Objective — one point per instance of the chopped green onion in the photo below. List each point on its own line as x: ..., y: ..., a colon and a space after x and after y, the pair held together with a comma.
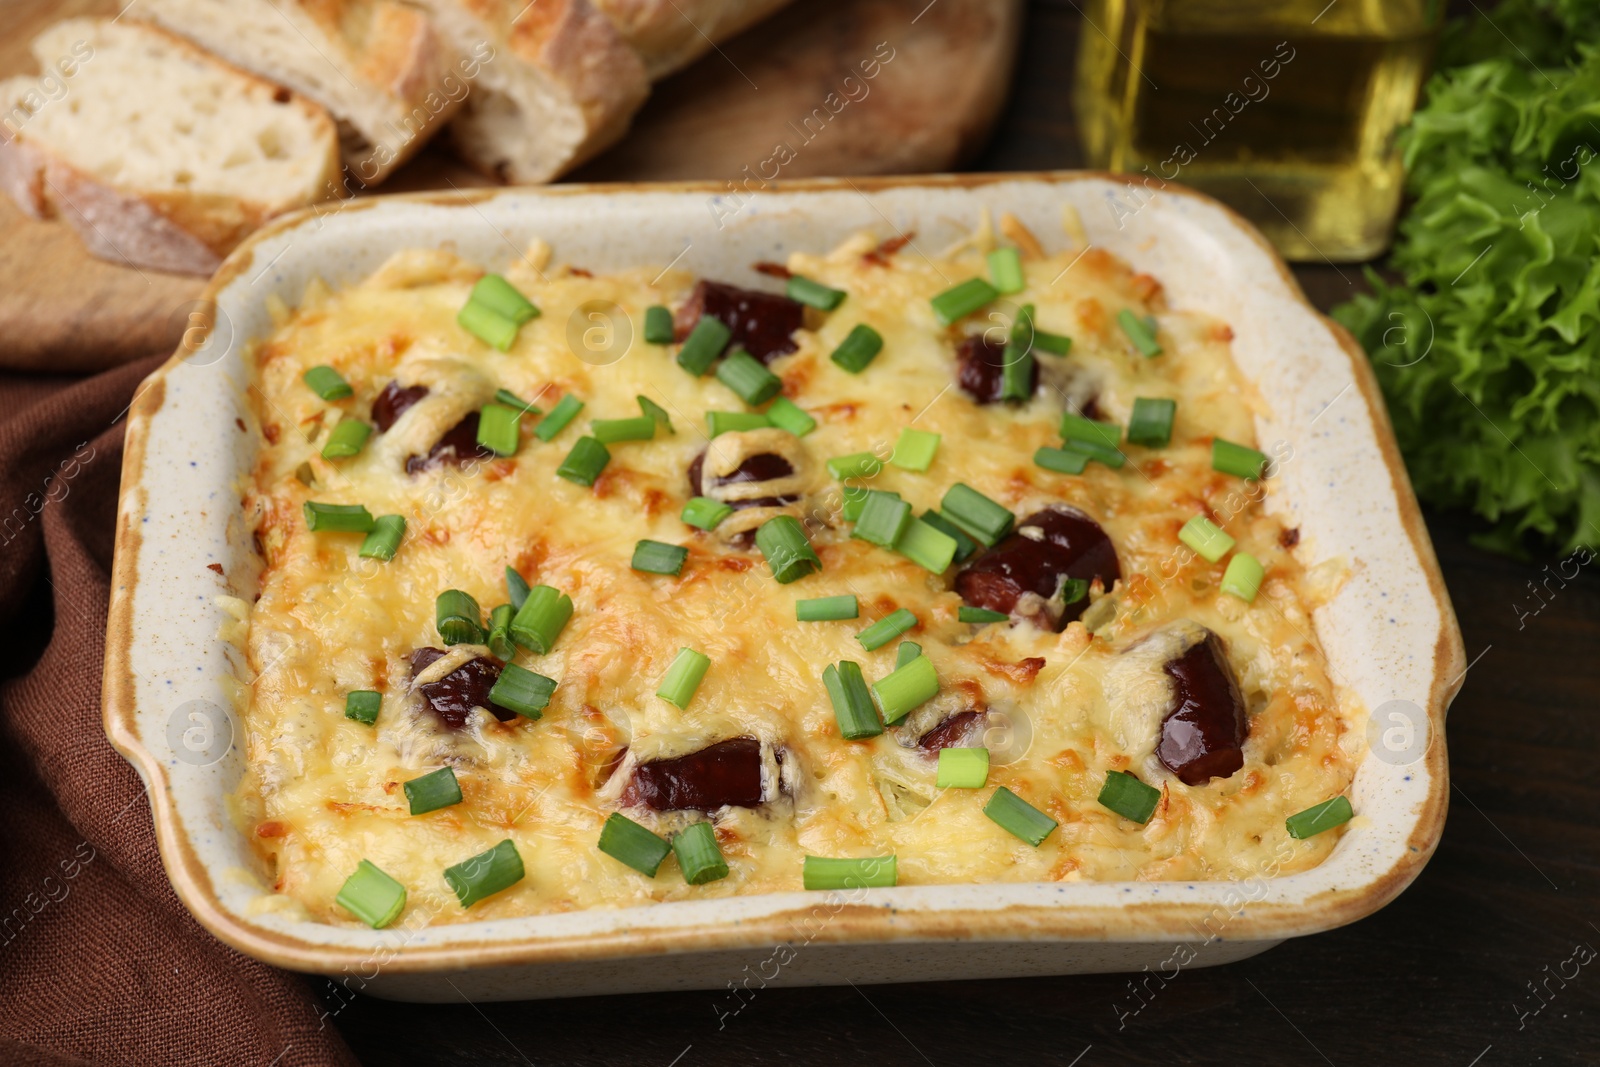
x: 585, y: 462
x: 384, y: 539
x: 1022, y: 330
x: 705, y: 513
x: 855, y: 498
x: 822, y: 872
x: 683, y: 677
x: 1325, y: 816
x: 1005, y: 270
x: 1110, y: 456
x: 703, y: 345
x: 908, y: 651
x: 721, y: 422
x: 565, y: 411
x: 1243, y: 576
x: 963, y: 768
x: 1072, y: 590
x: 786, y: 415
x: 657, y: 412
x: 1206, y: 538
x: 372, y: 896
x: 1230, y: 458
x: 657, y: 557
x: 980, y: 615
x: 886, y: 629
x: 806, y: 291
x: 929, y: 548
x: 1141, y: 331
x: 539, y: 621
x: 500, y: 428
x: 361, y: 705
x: 637, y: 428
x: 748, y: 376
x: 1150, y: 424
x: 327, y: 383
x: 1016, y: 816
x: 658, y: 329
x: 625, y: 840
x: 1076, y: 428
x: 976, y: 513
x: 1061, y: 460
x: 1129, y: 797
x: 905, y: 689
x: 1026, y: 335
x: 347, y: 439
x: 512, y: 400
x: 915, y: 449
x: 827, y: 608
x: 855, y: 465
x: 859, y: 348
x: 965, y: 546
x: 487, y: 325
x: 485, y: 874
x: 1053, y: 343
x: 500, y: 296
x: 782, y: 540
x: 458, y: 617
x: 699, y: 857
x: 852, y: 701
x: 499, y: 639
x: 336, y: 518
x: 883, y: 519
x: 434, y: 790
x: 516, y: 588
x: 523, y: 691
x: 1016, y: 373
x: 959, y: 301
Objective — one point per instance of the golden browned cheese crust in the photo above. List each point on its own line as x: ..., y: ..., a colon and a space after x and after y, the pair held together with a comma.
x: 323, y: 792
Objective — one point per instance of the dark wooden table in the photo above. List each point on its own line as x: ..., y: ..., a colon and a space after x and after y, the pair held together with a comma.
x: 1445, y: 975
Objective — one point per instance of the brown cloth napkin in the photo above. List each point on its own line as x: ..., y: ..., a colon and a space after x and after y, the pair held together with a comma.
x: 99, y: 962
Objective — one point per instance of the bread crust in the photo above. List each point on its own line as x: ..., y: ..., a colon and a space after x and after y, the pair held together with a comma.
x: 404, y: 52
x: 671, y: 34
x: 161, y: 233
x: 22, y: 177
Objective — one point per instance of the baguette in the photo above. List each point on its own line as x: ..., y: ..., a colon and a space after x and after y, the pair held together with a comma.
x: 380, y: 68
x: 156, y: 153
x: 558, y: 84
x: 671, y: 34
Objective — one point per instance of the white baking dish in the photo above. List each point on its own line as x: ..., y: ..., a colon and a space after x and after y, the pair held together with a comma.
x: 1390, y: 633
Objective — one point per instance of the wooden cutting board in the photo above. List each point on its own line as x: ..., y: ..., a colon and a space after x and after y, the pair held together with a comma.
x: 771, y: 102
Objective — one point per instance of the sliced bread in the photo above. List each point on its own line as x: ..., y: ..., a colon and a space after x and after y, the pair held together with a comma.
x: 560, y: 84
x: 671, y: 34
x: 156, y: 153
x: 379, y: 67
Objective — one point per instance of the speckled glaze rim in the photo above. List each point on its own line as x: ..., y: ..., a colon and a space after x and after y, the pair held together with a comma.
x: 1294, y: 905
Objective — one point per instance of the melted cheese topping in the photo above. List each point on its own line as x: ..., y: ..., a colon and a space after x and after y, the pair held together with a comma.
x: 323, y: 792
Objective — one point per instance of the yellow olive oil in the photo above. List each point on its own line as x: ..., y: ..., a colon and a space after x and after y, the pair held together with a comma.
x: 1287, y: 111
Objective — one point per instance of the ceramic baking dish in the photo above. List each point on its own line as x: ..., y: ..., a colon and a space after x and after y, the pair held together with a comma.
x: 172, y: 679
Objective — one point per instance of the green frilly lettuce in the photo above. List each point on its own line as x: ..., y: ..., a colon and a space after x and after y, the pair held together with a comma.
x: 1488, y: 349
